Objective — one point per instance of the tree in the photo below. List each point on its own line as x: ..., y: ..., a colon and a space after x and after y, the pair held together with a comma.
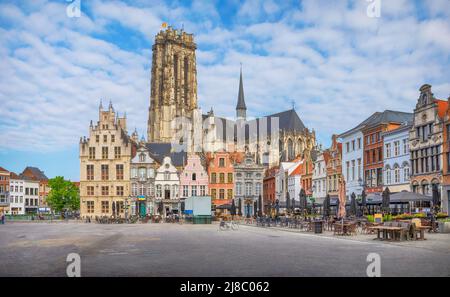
x: 63, y: 195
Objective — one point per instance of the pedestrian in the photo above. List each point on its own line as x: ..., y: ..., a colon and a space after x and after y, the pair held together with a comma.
x: 3, y: 218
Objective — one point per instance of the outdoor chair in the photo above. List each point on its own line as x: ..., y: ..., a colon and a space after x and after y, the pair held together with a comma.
x: 338, y: 229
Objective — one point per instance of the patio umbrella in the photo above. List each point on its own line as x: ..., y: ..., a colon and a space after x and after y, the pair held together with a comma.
x: 436, y: 199
x: 342, y: 198
x: 260, y: 209
x: 160, y: 207
x: 386, y: 200
x: 337, y: 207
x: 353, y: 205
x: 326, y: 206
x: 293, y: 204
x: 288, y: 201
x: 233, y: 208
x: 240, y: 207
x: 114, y: 209
x: 363, y: 202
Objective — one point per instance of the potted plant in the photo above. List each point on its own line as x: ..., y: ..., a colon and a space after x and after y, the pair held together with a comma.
x: 444, y: 225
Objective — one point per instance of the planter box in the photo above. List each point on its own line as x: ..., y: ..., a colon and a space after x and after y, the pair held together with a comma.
x: 444, y: 227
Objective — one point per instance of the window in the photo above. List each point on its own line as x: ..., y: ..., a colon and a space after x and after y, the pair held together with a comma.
x: 89, y: 172
x: 406, y: 173
x: 202, y: 190
x: 258, y: 189
x: 353, y: 145
x: 97, y: 138
x: 230, y: 178
x: 105, y: 206
x: 213, y: 193
x: 396, y: 148
x: 388, y: 150
x: 143, y: 173
x: 90, y: 206
x: 90, y: 190
x: 117, y: 152
x: 150, y: 173
x: 185, y: 191
x: 105, y: 172
x: 221, y: 162
x: 359, y: 143
x: 167, y: 175
x: 248, y: 189
x: 105, y: 138
x: 238, y: 189
x: 221, y: 178
x: 194, y: 190
x: 142, y: 190
x: 119, y: 190
x: 194, y: 176
x: 158, y: 191
x: 134, y: 189
x: 230, y: 193
x: 353, y: 169
x: 119, y: 171
x: 221, y: 194
x: 92, y: 153
x: 213, y: 178
x: 348, y: 170
x: 405, y: 146
x: 105, y: 152
x: 151, y: 190
x: 359, y: 168
x: 105, y: 190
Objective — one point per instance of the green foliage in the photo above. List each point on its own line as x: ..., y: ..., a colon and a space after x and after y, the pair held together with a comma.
x: 441, y: 215
x: 63, y: 195
x: 387, y: 218
x: 370, y: 218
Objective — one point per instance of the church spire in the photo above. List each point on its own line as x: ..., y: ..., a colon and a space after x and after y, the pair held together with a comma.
x: 241, y: 109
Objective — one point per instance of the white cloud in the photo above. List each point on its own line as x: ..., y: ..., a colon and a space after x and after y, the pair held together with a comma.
x: 337, y: 64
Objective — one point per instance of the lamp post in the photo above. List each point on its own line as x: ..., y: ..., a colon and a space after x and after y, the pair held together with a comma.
x: 126, y: 207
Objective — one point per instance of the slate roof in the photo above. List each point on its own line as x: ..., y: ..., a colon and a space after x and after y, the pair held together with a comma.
x: 287, y: 121
x: 387, y: 116
x: 36, y: 173
x: 161, y: 150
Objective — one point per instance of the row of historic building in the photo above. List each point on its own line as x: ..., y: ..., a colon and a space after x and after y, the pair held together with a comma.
x: 402, y: 151
x: 24, y: 193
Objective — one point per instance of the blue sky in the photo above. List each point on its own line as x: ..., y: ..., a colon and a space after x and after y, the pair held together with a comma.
x: 337, y: 64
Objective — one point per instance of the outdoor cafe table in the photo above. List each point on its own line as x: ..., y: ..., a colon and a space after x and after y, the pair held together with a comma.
x: 386, y: 230
x: 421, y: 230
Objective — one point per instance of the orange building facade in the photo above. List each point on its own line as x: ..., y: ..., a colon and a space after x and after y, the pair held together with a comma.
x: 220, y: 171
x: 334, y: 167
x: 269, y: 187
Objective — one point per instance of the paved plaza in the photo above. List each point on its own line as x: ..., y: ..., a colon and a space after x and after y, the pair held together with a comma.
x: 40, y: 249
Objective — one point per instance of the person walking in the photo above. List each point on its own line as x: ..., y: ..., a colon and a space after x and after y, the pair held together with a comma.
x: 3, y: 218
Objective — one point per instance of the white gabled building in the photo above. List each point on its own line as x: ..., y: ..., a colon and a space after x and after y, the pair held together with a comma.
x: 167, y: 183
x: 319, y: 178
x: 16, y: 194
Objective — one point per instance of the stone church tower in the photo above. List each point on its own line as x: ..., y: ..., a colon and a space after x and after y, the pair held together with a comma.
x: 173, y: 82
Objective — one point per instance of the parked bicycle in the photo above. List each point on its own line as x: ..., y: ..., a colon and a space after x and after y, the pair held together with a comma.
x: 231, y: 225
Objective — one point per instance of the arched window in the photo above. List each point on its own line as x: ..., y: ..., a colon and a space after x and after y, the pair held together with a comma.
x: 397, y: 175
x: 194, y: 176
x: 290, y: 149
x: 406, y: 173
x: 388, y: 176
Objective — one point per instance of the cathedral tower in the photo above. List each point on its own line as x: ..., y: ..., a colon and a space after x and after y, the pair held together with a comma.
x: 173, y: 82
